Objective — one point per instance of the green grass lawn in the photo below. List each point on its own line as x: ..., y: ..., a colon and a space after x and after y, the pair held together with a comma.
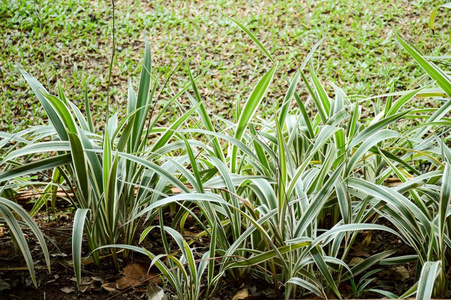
x: 70, y: 42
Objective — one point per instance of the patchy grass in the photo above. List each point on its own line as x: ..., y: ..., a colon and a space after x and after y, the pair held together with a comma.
x: 70, y: 41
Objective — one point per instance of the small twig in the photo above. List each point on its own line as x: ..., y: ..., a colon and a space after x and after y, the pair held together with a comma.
x: 110, y: 68
x: 43, y: 43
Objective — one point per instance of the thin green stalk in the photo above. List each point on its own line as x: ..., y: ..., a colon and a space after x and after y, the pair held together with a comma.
x: 110, y: 67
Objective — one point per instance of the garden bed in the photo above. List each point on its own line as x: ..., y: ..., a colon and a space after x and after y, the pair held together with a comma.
x: 131, y: 282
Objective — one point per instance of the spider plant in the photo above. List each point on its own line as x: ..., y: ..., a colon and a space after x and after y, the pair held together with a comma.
x: 112, y: 176
x: 279, y: 194
x: 426, y: 224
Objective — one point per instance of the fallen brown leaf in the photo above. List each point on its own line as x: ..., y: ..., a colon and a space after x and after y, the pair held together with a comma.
x: 241, y: 294
x: 110, y: 286
x: 68, y: 289
x: 134, y: 275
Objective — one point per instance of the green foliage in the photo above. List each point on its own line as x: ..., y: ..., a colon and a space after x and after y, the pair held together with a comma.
x: 289, y: 198
x: 111, y: 176
x: 9, y: 213
x: 282, y: 198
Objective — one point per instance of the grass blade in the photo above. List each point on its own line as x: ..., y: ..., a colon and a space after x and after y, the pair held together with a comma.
x: 324, y: 269
x: 432, y: 69
x: 162, y: 141
x: 262, y: 257
x: 321, y: 92
x: 250, y: 107
x: 142, y: 99
x: 19, y: 236
x: 31, y: 224
x: 429, y: 272
x: 39, y: 91
x: 205, y: 118
x: 80, y: 166
x: 35, y: 167
x: 286, y: 100
x: 252, y: 36
x: 77, y: 239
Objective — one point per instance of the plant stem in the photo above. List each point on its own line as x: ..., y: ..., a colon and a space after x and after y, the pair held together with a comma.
x: 110, y: 67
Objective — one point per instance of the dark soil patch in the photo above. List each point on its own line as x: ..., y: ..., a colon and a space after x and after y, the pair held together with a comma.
x: 16, y: 283
x: 60, y: 283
